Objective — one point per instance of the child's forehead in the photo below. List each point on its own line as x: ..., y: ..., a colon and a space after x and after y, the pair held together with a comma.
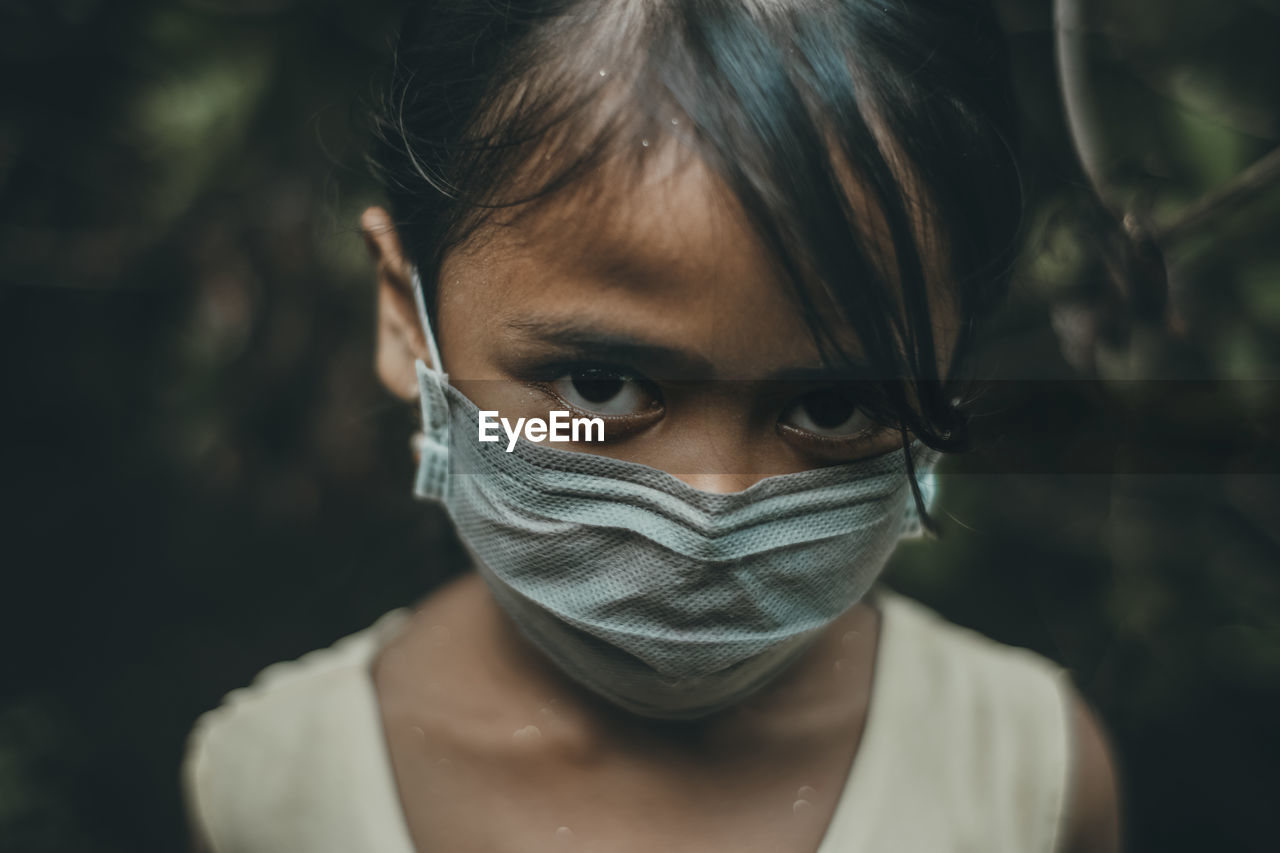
x: 662, y: 215
x: 672, y: 215
x: 644, y: 232
x: 667, y: 256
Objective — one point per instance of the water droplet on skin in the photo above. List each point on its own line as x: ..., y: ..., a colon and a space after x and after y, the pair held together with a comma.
x: 841, y: 666
x: 644, y: 142
x: 801, y: 807
x: 418, y: 732
x: 850, y: 639
x: 528, y: 733
x: 806, y: 793
x: 439, y: 634
x: 603, y: 72
x: 675, y: 121
x: 545, y: 711
x: 564, y: 833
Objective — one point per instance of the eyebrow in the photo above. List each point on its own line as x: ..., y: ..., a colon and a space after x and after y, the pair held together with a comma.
x: 591, y: 341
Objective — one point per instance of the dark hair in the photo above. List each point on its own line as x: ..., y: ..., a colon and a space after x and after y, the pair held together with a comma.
x: 785, y: 100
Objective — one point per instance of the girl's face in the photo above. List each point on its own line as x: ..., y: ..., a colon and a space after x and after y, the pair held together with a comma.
x: 656, y: 309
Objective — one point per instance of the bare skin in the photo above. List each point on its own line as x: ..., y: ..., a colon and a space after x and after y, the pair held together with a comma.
x: 473, y: 775
x: 460, y: 689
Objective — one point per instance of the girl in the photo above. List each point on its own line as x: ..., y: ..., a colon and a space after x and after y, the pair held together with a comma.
x: 757, y: 240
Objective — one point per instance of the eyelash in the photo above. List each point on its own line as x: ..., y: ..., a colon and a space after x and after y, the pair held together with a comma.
x: 833, y: 442
x: 542, y: 377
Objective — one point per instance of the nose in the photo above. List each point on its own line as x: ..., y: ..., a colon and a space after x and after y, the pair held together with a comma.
x: 713, y: 441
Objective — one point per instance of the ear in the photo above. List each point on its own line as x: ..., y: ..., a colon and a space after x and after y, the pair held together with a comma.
x: 400, y: 339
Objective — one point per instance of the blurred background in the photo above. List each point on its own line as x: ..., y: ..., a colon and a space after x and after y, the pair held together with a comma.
x: 200, y: 474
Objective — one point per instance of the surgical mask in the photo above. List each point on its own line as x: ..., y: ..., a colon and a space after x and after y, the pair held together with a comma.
x: 668, y: 601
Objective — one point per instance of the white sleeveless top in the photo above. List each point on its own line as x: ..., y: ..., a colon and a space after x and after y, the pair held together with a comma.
x: 967, y: 747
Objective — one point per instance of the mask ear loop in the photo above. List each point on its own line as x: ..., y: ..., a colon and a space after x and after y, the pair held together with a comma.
x: 431, y: 443
x: 432, y: 350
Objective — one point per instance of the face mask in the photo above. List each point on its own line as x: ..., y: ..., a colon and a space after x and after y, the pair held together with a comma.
x: 666, y: 600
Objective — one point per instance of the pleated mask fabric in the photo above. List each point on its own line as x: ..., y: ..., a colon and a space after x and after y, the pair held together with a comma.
x: 668, y: 601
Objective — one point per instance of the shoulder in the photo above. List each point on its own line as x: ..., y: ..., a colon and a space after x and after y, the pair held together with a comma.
x: 994, y: 727
x: 990, y: 677
x: 1093, y: 824
x: 259, y: 767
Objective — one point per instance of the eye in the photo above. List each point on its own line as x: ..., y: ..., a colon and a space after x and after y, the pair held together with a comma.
x: 830, y: 413
x: 605, y: 391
